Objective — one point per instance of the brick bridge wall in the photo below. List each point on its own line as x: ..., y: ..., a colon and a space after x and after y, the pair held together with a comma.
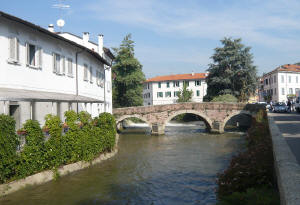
x: 215, y: 115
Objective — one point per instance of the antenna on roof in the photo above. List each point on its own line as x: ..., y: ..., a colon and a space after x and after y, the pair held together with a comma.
x: 60, y: 22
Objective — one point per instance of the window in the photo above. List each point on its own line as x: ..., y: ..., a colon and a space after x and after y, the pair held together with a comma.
x: 148, y: 85
x: 175, y: 83
x: 91, y: 74
x: 159, y: 84
x: 168, y: 84
x: 176, y: 93
x: 275, y: 91
x: 13, y: 50
x: 168, y: 94
x: 282, y: 91
x: 291, y: 91
x: 290, y: 79
x: 100, y: 78
x: 274, y: 78
x: 282, y: 79
x: 266, y: 82
x: 198, y: 93
x: 34, y: 56
x: 197, y: 82
x: 56, y: 63
x: 70, y: 67
x: 159, y: 94
x: 187, y: 83
x: 85, y: 72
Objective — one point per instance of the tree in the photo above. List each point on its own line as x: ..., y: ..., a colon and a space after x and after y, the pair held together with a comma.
x: 128, y: 76
x: 232, y: 71
x: 185, y: 95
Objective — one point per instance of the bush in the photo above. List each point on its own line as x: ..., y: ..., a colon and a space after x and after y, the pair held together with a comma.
x: 84, y: 142
x: 8, y: 145
x: 32, y: 158
x: 253, y: 168
x: 259, y: 196
x: 225, y: 98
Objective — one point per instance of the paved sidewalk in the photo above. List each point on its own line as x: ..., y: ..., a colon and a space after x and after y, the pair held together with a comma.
x: 289, y: 126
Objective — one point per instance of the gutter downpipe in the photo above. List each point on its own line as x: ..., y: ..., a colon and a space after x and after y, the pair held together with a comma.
x: 76, y: 71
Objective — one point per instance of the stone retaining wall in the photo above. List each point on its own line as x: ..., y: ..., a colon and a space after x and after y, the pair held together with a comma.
x: 48, y: 175
x: 286, y: 167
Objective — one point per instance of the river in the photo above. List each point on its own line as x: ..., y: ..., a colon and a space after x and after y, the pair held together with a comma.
x: 178, y: 168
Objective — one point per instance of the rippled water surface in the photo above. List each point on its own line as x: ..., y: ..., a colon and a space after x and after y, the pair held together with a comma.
x: 177, y: 168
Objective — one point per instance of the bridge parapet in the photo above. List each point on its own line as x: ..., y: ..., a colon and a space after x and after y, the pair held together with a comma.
x: 215, y: 115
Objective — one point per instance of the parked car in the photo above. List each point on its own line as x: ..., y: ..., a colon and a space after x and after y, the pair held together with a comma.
x: 280, y: 107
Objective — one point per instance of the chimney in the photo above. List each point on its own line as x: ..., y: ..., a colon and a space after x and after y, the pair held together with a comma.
x: 51, y: 28
x: 100, y: 44
x: 85, y: 38
x: 193, y: 73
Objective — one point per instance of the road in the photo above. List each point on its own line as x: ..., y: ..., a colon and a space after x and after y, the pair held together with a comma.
x: 289, y: 126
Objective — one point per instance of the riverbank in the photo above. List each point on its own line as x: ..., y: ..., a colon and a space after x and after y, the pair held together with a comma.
x: 250, y: 178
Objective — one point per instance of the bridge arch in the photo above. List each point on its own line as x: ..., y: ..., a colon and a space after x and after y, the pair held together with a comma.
x: 123, y: 117
x: 233, y: 114
x: 173, y: 114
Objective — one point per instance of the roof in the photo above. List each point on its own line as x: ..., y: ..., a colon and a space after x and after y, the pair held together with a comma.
x: 188, y: 76
x: 106, y: 50
x: 54, y: 35
x: 11, y: 94
x: 285, y: 68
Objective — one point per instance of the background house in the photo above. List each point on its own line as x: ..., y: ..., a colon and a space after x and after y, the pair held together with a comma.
x: 164, y: 89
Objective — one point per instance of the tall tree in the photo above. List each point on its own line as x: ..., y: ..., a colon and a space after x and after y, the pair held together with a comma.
x: 232, y: 71
x: 128, y: 76
x: 185, y: 95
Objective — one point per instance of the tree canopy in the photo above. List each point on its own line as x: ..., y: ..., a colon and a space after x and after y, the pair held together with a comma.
x: 232, y: 71
x: 185, y: 95
x: 128, y: 76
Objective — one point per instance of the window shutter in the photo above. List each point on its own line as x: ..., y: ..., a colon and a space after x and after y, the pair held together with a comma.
x: 91, y: 74
x: 54, y: 62
x: 12, y: 48
x: 17, y: 50
x: 63, y: 65
x: 40, y: 58
x: 27, y: 54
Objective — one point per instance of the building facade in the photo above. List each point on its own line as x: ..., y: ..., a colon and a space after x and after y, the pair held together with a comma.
x: 45, y: 72
x: 279, y: 83
x: 164, y: 89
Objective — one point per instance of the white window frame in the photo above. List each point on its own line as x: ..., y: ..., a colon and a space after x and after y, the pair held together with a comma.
x: 168, y: 92
x: 56, y: 63
x: 38, y: 56
x: 197, y: 82
x: 160, y: 96
x: 13, y: 52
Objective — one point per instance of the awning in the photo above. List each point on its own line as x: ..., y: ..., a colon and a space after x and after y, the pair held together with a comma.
x: 9, y: 94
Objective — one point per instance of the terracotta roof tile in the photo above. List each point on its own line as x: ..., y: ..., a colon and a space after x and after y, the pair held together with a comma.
x: 290, y: 68
x: 189, y: 76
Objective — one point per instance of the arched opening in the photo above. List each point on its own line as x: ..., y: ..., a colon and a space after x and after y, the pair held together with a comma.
x: 133, y: 124
x: 187, y: 121
x: 238, y: 122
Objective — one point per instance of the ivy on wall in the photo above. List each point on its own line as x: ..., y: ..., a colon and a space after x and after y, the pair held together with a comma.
x: 79, y: 138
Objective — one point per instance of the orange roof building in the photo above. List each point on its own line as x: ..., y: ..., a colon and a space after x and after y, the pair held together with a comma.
x: 164, y: 89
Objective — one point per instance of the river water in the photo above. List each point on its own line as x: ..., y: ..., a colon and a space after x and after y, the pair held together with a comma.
x: 177, y: 168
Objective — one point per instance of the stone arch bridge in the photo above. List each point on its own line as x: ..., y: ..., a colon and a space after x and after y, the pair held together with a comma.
x: 215, y: 115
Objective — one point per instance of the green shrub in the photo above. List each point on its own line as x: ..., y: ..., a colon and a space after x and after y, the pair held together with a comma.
x: 225, y: 98
x: 84, y: 142
x: 253, y: 168
x: 32, y: 158
x: 8, y: 145
x: 257, y: 196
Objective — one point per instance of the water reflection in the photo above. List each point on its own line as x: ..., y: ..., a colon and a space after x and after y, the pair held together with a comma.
x: 177, y: 168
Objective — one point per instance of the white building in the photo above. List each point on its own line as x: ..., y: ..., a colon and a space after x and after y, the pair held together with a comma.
x: 45, y: 72
x: 164, y: 89
x: 280, y: 82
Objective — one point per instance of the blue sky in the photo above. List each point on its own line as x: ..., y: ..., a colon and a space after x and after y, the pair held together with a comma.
x: 178, y: 36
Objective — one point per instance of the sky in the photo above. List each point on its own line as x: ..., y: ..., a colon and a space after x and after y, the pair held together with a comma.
x: 175, y: 36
